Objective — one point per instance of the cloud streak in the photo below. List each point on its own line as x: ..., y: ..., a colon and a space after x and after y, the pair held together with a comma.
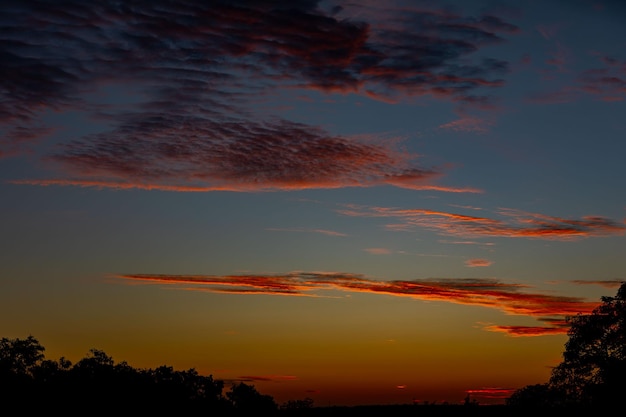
x: 477, y: 262
x: 192, y: 71
x: 307, y: 230
x: 513, y: 223
x: 473, y: 292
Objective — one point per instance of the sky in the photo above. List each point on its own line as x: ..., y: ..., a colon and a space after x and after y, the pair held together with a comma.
x: 357, y: 202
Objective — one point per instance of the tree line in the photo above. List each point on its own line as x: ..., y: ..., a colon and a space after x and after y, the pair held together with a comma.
x: 96, y: 384
x: 591, y: 375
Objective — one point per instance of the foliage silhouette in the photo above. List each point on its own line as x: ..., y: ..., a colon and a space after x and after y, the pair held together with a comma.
x: 96, y: 384
x: 246, y: 399
x: 304, y: 404
x: 593, y: 370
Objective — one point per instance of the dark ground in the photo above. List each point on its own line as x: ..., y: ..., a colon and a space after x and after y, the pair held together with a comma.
x: 441, y: 411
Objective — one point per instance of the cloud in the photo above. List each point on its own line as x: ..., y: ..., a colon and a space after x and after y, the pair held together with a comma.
x: 466, y: 242
x: 478, y: 262
x: 279, y: 155
x: 473, y: 292
x: 236, y: 156
x: 192, y: 71
x: 492, y: 393
x: 527, y: 331
x: 307, y: 230
x: 513, y: 223
x: 468, y: 125
x: 606, y: 82
x: 378, y: 251
x: 614, y: 283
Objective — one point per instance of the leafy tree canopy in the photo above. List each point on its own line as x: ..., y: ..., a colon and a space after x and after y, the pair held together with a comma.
x: 593, y: 370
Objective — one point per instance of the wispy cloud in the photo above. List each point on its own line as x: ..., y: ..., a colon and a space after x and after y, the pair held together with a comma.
x: 614, y: 283
x: 468, y: 125
x: 306, y: 230
x: 193, y: 70
x: 473, y: 292
x: 478, y: 262
x: 378, y: 251
x: 605, y: 81
x: 491, y: 393
x: 466, y: 242
x: 512, y: 223
x: 608, y: 82
x: 528, y: 331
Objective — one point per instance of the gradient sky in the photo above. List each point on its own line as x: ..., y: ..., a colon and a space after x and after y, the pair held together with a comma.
x: 359, y: 202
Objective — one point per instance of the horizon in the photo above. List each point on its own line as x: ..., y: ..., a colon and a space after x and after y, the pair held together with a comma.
x: 349, y: 202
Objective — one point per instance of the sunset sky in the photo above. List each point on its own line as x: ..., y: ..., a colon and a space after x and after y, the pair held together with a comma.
x: 358, y: 202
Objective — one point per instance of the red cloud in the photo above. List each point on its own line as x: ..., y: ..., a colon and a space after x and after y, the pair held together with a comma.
x: 476, y: 292
x: 254, y: 156
x: 497, y: 393
x: 514, y: 223
x: 526, y: 331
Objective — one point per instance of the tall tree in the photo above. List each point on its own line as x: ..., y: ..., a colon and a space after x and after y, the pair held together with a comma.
x: 593, y: 370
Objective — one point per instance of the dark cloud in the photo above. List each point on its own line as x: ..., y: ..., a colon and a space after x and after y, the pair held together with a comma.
x: 196, y: 67
x: 615, y: 283
x: 606, y: 82
x: 234, y: 155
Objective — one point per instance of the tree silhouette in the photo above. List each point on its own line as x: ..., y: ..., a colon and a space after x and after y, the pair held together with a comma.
x: 18, y: 360
x: 298, y: 405
x: 593, y: 370
x: 246, y: 399
x: 20, y: 356
x: 98, y: 385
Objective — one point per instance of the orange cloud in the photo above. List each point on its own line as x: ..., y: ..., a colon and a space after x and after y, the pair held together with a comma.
x: 478, y: 262
x: 514, y: 223
x: 476, y: 292
x: 378, y: 251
